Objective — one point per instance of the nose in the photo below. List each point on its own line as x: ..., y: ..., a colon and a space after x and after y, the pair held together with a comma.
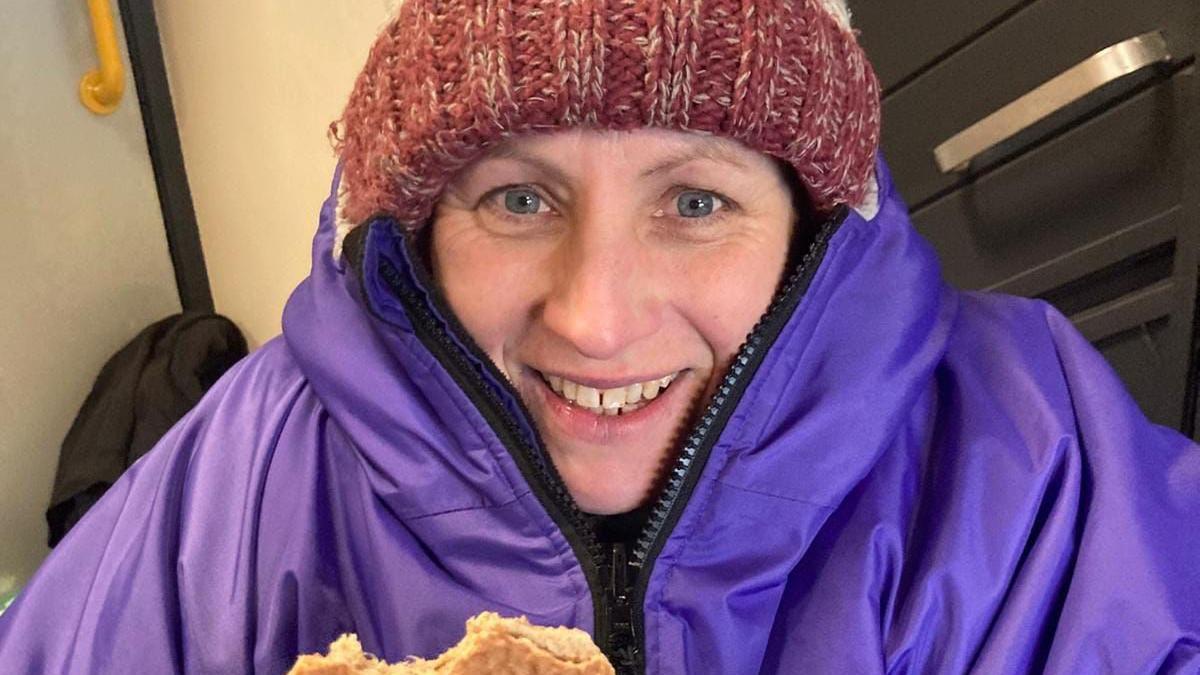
x: 603, y: 298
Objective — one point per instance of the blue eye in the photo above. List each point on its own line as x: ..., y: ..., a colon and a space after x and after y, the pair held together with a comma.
x: 522, y: 201
x: 696, y: 203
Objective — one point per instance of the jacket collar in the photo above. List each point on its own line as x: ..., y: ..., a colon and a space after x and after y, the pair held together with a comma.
x: 424, y: 446
x: 845, y: 373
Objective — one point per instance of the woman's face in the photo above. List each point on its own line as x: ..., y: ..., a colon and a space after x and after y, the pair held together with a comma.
x: 611, y: 276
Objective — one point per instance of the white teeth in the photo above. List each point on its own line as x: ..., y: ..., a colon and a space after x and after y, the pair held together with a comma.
x: 613, y: 398
x: 619, y: 400
x: 587, y: 397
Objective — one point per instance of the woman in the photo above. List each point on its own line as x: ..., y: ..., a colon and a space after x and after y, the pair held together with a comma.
x: 519, y: 379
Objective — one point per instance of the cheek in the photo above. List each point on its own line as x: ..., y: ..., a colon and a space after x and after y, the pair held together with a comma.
x: 490, y: 289
x: 728, y: 293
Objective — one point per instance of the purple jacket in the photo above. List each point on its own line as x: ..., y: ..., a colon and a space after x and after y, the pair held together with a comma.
x: 896, y: 476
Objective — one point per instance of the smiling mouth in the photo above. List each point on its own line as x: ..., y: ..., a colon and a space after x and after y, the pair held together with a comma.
x: 609, y: 402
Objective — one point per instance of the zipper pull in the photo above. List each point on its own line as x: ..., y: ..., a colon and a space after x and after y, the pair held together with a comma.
x: 624, y: 645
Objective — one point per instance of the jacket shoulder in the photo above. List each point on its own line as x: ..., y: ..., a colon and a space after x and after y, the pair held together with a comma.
x: 184, y: 521
x: 261, y: 376
x: 1028, y: 347
x: 1106, y: 498
x: 1005, y: 351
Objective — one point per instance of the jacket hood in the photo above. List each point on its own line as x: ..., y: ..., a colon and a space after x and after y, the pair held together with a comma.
x: 858, y: 347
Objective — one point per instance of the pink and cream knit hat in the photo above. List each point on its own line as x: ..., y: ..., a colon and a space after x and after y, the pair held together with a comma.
x: 448, y: 79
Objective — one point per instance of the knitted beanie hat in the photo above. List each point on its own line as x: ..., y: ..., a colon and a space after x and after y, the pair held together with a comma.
x: 448, y: 79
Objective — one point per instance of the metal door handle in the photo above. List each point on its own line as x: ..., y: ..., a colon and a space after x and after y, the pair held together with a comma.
x: 1105, y: 67
x: 101, y: 89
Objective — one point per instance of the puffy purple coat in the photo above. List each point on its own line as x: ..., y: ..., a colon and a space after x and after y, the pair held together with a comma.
x: 895, y: 476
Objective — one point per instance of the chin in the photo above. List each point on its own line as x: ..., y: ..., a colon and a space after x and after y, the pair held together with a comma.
x: 605, y: 500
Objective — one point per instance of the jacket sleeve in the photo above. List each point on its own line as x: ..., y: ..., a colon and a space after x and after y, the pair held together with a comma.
x: 158, y: 576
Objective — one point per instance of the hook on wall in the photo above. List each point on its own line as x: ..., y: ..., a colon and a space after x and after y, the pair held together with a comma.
x: 101, y: 90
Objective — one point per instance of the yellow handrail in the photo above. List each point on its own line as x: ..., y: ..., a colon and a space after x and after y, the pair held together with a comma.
x: 101, y: 90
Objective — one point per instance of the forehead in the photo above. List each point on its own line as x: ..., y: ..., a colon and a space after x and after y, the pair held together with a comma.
x: 629, y: 149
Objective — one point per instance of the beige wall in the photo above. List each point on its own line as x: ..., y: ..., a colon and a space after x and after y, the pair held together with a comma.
x: 255, y: 86
x: 84, y: 265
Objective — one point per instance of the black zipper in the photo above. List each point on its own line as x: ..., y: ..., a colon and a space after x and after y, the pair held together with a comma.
x: 622, y: 642
x: 617, y: 578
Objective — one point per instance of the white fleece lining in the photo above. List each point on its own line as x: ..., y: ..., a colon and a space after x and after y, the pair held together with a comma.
x: 839, y: 10
x: 342, y: 226
x: 869, y: 208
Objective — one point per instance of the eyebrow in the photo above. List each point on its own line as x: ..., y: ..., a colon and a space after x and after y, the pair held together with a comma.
x: 507, y: 151
x: 711, y: 149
